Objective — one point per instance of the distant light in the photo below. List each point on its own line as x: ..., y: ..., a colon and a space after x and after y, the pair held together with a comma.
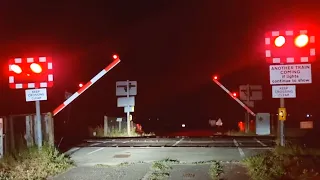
x: 80, y: 85
x: 215, y: 77
x: 15, y: 68
x: 308, y: 115
x: 183, y: 125
x: 115, y: 56
x: 234, y: 94
x: 279, y: 41
x: 36, y: 68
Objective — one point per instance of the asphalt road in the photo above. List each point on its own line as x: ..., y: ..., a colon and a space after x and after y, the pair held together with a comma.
x: 214, y: 141
x: 143, y: 151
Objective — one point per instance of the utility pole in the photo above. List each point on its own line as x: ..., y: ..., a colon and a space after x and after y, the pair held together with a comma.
x: 38, y: 121
x: 282, y: 140
x: 128, y: 112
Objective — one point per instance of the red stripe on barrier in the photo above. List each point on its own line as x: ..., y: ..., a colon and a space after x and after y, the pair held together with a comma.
x: 58, y: 109
x: 83, y: 88
x: 112, y: 64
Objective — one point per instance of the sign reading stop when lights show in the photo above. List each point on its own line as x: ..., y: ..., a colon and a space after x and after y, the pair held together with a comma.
x: 290, y: 74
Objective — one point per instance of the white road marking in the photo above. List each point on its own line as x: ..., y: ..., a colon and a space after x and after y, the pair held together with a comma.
x: 95, y: 144
x: 72, y: 150
x: 260, y: 148
x: 125, y: 141
x: 239, y: 149
x: 178, y: 142
x: 262, y: 144
x: 95, y: 151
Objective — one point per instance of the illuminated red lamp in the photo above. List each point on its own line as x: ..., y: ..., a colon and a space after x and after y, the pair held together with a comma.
x: 234, y: 94
x: 301, y: 40
x: 15, y: 68
x: 279, y: 41
x: 80, y: 85
x: 115, y: 56
x: 215, y: 77
x: 36, y: 68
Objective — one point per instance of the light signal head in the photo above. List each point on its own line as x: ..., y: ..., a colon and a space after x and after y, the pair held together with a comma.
x: 36, y: 68
x: 290, y: 46
x: 115, y: 56
x: 279, y: 41
x: 15, y: 68
x: 301, y: 40
x: 80, y: 85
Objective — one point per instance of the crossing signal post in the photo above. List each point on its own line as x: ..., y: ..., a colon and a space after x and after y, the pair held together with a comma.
x: 288, y: 47
x: 34, y: 74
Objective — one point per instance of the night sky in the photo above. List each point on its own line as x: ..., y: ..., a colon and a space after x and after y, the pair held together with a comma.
x: 172, y: 48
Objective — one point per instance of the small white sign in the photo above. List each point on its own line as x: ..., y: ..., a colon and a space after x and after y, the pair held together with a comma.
x: 288, y: 91
x: 126, y: 101
x: 129, y: 109
x: 36, y: 94
x: 119, y: 120
x: 219, y: 122
x: 290, y: 74
x: 122, y: 88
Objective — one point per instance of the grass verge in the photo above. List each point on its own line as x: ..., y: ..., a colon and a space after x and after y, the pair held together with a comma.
x: 34, y: 164
x: 161, y: 169
x: 215, y: 170
x: 290, y: 162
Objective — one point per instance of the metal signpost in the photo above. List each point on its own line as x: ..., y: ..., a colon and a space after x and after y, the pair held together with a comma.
x: 129, y: 90
x: 37, y: 95
x: 292, y: 51
x: 1, y: 138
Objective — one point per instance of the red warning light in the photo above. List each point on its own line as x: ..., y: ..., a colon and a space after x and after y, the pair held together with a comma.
x: 234, y: 94
x: 301, y: 40
x: 279, y: 41
x: 215, y: 77
x: 115, y: 56
x: 80, y: 85
x: 36, y: 68
x: 15, y: 68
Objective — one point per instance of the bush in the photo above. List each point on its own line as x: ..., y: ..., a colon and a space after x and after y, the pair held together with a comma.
x: 291, y: 162
x: 265, y: 166
x: 34, y: 164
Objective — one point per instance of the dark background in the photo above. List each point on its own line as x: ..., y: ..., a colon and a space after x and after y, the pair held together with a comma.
x: 172, y: 48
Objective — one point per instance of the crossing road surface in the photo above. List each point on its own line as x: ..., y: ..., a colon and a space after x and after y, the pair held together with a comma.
x: 116, y: 151
x: 100, y: 159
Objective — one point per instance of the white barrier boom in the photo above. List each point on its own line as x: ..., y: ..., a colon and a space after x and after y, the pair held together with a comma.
x: 235, y: 98
x: 86, y: 86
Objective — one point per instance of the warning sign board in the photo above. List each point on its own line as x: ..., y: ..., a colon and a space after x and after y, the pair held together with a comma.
x: 286, y: 91
x: 290, y: 74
